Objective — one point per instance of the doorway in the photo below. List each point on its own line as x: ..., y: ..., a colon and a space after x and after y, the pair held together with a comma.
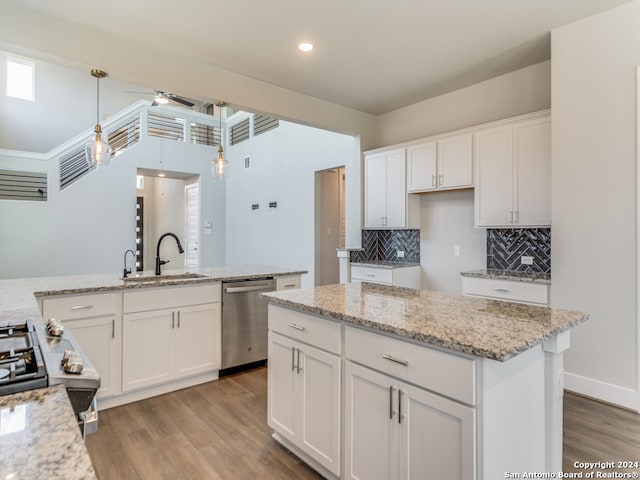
x: 329, y: 224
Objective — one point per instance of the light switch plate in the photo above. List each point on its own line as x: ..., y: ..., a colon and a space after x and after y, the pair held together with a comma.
x: 526, y: 260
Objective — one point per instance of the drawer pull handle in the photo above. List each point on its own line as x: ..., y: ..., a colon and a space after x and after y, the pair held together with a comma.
x: 297, y: 327
x: 370, y: 275
x: 395, y: 360
x: 502, y: 290
x: 291, y: 285
x: 81, y: 307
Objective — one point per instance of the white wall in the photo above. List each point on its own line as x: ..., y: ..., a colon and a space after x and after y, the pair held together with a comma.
x: 87, y: 227
x: 594, y: 192
x: 64, y: 106
x: 446, y: 218
x: 523, y: 91
x: 283, y: 166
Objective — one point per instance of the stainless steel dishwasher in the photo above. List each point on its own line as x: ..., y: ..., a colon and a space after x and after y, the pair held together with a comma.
x: 244, y: 321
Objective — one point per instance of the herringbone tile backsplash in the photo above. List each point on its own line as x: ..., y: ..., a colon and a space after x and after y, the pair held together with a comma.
x: 506, y: 246
x: 382, y: 245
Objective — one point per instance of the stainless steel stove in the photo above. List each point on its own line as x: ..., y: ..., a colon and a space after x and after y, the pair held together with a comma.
x: 21, y: 363
x: 31, y: 357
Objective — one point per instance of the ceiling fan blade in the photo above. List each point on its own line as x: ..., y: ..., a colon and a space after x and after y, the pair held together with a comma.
x: 178, y: 99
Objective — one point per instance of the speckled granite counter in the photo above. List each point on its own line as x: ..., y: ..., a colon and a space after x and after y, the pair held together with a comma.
x: 17, y: 299
x: 40, y: 438
x: 385, y: 264
x: 544, y: 278
x: 485, y: 328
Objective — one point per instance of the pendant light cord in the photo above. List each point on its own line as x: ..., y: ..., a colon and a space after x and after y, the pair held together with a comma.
x: 97, y: 100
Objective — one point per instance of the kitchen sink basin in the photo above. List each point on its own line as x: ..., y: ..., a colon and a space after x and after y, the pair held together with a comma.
x: 163, y: 278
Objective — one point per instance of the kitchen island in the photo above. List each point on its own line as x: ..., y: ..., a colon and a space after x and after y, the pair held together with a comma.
x: 371, y: 381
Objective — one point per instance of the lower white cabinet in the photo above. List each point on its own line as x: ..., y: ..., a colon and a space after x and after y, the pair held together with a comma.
x: 304, y: 396
x: 408, y: 277
x: 507, y: 290
x: 95, y: 321
x: 168, y: 344
x: 398, y: 431
x: 290, y: 282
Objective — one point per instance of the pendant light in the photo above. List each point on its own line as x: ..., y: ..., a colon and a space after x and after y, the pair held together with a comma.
x: 98, y: 150
x: 219, y: 166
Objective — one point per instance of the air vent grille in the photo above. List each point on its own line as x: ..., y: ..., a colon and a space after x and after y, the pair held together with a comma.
x: 165, y: 126
x: 262, y: 123
x: 240, y: 132
x: 73, y: 166
x: 204, y: 134
x: 16, y: 185
x: 125, y: 135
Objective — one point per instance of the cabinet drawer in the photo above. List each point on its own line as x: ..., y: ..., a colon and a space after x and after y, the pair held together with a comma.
x: 170, y: 297
x: 316, y: 331
x: 447, y: 374
x: 288, y: 283
x: 80, y: 306
x: 371, y: 274
x: 520, y: 292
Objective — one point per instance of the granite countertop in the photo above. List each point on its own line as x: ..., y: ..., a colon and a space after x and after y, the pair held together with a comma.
x: 40, y: 437
x: 385, y: 264
x: 17, y: 296
x: 544, y: 278
x: 486, y: 328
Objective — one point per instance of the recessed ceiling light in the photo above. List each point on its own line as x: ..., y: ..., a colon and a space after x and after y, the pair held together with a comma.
x: 305, y: 46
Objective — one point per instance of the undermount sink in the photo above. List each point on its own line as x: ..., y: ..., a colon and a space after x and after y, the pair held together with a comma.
x: 163, y: 278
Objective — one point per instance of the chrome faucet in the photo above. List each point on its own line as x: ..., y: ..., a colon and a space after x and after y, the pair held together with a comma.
x: 127, y: 271
x: 162, y: 262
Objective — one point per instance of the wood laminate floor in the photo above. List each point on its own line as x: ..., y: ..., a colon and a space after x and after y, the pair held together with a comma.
x: 218, y: 430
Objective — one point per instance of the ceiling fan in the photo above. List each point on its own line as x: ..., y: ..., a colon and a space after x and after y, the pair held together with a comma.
x: 162, y: 98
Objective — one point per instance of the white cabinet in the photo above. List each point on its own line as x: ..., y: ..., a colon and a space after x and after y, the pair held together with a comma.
x: 397, y: 276
x: 508, y: 290
x: 398, y: 431
x: 304, y: 385
x: 386, y: 192
x: 180, y: 340
x: 513, y: 174
x: 290, y: 282
x: 442, y: 164
x: 95, y: 321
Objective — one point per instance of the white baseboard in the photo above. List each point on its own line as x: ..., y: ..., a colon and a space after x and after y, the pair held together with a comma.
x: 134, y: 396
x: 605, y: 392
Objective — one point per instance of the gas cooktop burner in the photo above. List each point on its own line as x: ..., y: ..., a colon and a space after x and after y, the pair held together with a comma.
x: 21, y: 364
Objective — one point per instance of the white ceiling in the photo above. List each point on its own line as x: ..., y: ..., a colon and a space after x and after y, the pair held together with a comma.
x: 370, y: 55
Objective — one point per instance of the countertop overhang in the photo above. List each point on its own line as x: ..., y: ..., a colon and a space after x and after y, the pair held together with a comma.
x: 490, y: 329
x: 494, y: 274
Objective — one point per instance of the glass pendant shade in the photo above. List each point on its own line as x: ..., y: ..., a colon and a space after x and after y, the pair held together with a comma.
x: 220, y: 167
x: 98, y: 150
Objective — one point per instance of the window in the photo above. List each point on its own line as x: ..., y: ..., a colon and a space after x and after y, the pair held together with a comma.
x: 20, y: 82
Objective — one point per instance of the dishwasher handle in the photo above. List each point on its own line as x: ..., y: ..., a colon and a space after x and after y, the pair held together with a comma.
x: 256, y: 288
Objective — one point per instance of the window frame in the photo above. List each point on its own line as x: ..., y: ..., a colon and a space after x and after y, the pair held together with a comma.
x: 24, y: 62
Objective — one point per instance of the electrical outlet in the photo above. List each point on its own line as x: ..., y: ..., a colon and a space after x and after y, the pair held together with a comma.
x: 247, y: 162
x: 456, y: 250
x: 400, y: 253
x: 526, y: 260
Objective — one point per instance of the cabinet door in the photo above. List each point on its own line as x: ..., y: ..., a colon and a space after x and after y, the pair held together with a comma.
x: 320, y: 397
x: 147, y: 348
x: 396, y: 216
x: 495, y: 176
x: 197, y: 342
x: 375, y: 190
x: 533, y: 154
x: 281, y: 405
x: 438, y: 436
x: 421, y: 167
x: 100, y: 340
x: 455, y: 162
x: 370, y: 443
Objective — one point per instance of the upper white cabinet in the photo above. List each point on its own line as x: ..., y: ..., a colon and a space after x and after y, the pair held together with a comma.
x: 385, y: 190
x: 513, y: 174
x: 442, y: 164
